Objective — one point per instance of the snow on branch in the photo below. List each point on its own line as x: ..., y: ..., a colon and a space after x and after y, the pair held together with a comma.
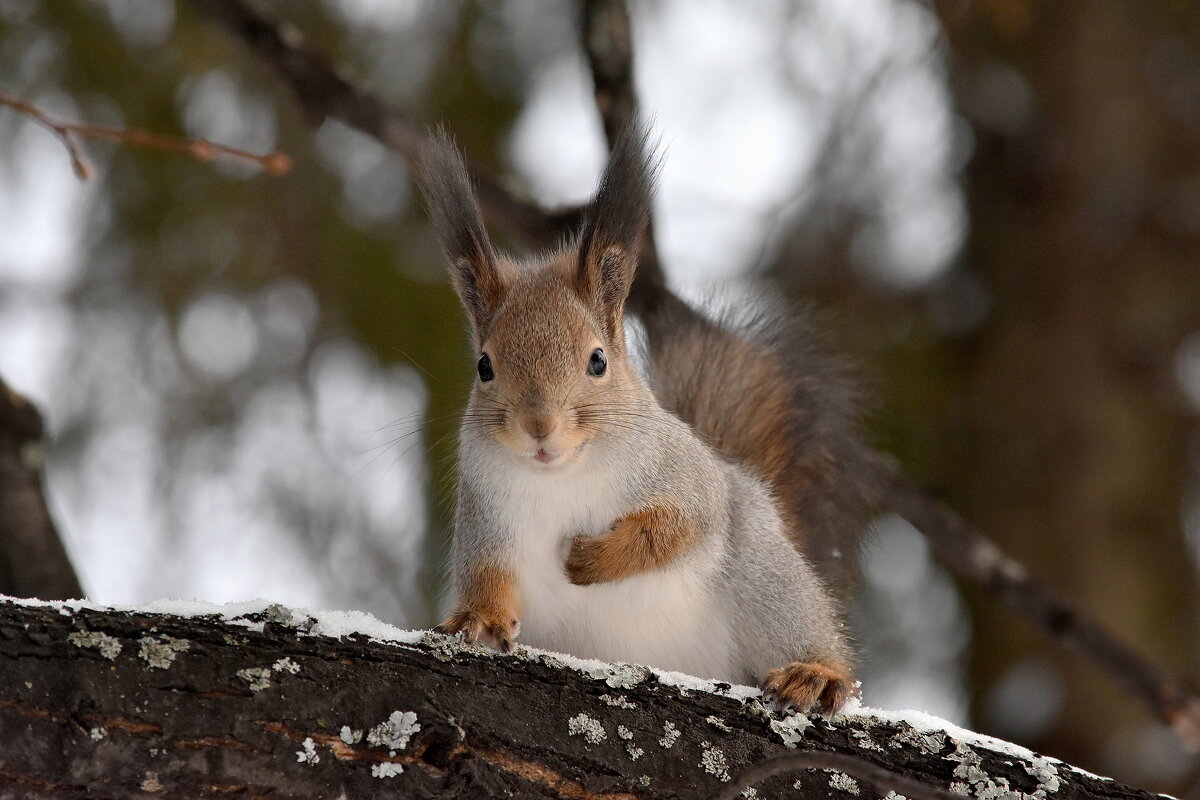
x: 187, y: 699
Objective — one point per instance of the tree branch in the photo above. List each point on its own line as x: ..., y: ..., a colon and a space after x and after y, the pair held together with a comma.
x: 199, y: 149
x: 975, y: 557
x: 264, y: 701
x: 608, y: 42
x: 33, y: 562
x: 323, y: 94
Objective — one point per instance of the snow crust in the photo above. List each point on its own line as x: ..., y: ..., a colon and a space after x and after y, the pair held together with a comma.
x: 927, y: 723
x: 346, y: 623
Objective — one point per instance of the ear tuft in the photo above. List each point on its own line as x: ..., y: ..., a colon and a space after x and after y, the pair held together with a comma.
x: 452, y: 207
x: 614, y: 224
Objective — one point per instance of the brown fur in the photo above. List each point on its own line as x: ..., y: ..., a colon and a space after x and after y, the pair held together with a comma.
x: 479, y: 277
x: 606, y: 277
x: 641, y: 542
x: 765, y: 393
x: 539, y: 343
x: 804, y: 685
x: 487, y: 609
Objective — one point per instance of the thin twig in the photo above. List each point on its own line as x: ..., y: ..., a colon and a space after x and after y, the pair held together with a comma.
x: 201, y: 149
x: 878, y: 777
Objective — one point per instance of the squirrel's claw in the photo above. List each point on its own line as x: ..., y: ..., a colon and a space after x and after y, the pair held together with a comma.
x: 806, y: 685
x: 475, y: 628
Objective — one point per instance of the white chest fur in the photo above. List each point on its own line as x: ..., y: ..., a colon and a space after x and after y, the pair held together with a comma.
x: 664, y: 618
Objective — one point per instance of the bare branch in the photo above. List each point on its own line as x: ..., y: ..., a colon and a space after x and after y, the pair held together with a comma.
x: 323, y: 94
x: 977, y: 558
x: 608, y: 41
x: 200, y: 149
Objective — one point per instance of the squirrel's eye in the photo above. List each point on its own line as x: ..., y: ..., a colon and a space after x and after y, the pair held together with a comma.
x: 597, y: 364
x: 485, y: 368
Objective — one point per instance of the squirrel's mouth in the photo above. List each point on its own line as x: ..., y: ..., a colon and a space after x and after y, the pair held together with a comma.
x: 550, y: 453
x: 554, y: 457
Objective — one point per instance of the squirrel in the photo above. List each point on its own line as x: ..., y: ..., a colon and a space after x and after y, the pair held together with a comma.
x: 676, y: 520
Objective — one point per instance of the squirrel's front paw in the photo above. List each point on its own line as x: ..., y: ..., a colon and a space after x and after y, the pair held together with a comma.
x: 585, y: 563
x: 804, y: 685
x: 475, y: 627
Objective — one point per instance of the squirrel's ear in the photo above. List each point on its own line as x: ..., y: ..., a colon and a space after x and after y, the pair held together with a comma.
x: 477, y: 277
x: 613, y: 227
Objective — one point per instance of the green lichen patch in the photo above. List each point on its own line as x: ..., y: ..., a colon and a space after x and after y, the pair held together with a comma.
x: 843, y: 782
x: 714, y: 763
x: 109, y: 646
x: 617, y: 701
x: 931, y: 743
x: 621, y: 676
x: 864, y: 740
x: 443, y: 648
x: 791, y: 728
x: 718, y: 723
x: 387, y: 769
x: 590, y: 729
x: 259, y: 678
x: 394, y: 732
x: 973, y: 781
x: 159, y: 653
x: 308, y: 755
x: 669, y: 737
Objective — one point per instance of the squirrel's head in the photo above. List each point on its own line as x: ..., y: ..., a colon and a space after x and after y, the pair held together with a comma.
x: 552, y: 366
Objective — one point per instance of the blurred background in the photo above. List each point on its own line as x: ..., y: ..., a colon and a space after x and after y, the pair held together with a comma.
x: 252, y: 381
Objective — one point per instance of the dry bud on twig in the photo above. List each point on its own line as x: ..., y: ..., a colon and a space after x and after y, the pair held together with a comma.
x: 201, y: 149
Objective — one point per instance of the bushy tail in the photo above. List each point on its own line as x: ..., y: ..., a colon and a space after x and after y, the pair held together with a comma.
x: 764, y: 392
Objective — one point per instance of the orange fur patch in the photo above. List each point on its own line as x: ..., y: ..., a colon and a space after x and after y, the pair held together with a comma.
x: 487, y: 609
x: 641, y: 542
x: 810, y: 684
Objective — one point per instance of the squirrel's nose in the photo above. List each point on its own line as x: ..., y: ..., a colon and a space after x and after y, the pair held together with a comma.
x: 539, y: 424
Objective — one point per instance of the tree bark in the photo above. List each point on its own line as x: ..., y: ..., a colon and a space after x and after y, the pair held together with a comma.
x: 108, y: 704
x: 33, y: 562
